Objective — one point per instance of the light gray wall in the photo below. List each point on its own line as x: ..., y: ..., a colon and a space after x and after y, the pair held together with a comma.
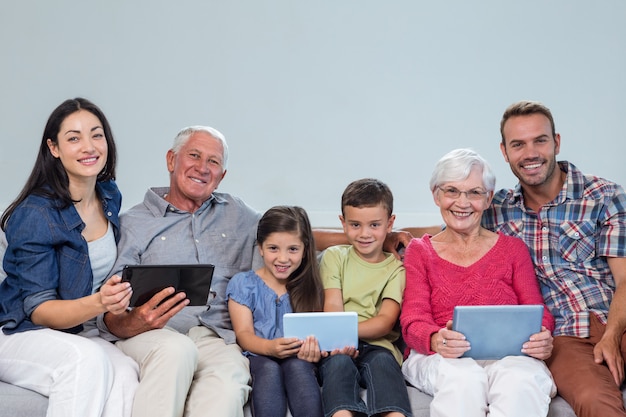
x: 314, y: 94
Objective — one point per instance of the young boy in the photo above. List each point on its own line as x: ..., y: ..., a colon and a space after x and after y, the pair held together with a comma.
x: 361, y: 277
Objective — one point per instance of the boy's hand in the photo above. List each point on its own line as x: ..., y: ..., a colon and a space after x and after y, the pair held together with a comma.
x: 348, y: 350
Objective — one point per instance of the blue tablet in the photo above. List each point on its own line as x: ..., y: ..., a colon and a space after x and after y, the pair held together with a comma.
x: 333, y: 330
x: 497, y: 331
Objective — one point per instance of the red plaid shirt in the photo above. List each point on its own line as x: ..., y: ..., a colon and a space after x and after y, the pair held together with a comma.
x: 569, y: 240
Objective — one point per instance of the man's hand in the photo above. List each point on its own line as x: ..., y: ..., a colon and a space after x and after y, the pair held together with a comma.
x: 539, y: 345
x: 607, y: 350
x: 396, y: 240
x: 148, y: 316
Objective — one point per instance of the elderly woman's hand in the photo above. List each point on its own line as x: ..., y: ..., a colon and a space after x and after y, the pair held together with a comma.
x: 448, y: 343
x: 540, y: 345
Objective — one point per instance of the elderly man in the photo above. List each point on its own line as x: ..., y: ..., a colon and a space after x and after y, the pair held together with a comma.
x: 189, y: 361
x: 188, y: 358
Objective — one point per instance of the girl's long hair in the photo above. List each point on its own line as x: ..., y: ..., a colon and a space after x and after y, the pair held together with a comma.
x: 304, y: 285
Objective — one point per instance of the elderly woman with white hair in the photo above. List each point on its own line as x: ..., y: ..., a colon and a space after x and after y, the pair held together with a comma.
x: 466, y: 264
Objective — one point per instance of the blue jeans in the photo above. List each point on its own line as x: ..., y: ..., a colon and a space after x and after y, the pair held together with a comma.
x: 278, y: 382
x: 374, y: 369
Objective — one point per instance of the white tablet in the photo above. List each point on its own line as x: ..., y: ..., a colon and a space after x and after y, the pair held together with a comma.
x: 497, y: 331
x: 333, y: 330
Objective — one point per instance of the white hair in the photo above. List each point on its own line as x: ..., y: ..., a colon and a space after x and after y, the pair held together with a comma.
x: 457, y: 165
x: 183, y: 136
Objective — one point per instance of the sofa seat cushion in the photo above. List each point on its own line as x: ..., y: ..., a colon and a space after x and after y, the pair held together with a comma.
x: 20, y: 402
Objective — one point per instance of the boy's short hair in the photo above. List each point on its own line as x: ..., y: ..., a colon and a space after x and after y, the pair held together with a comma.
x: 367, y: 192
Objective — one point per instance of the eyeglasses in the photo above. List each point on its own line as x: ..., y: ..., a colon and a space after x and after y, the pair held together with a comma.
x: 475, y: 194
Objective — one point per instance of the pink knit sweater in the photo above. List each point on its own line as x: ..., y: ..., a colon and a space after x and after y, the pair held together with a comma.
x: 434, y: 286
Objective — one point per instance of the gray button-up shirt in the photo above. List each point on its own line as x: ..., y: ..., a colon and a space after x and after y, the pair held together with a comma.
x: 221, y: 232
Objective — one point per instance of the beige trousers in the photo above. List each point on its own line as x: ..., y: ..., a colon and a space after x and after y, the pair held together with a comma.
x: 193, y: 375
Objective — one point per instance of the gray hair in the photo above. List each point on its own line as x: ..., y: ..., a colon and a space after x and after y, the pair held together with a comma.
x: 456, y: 165
x: 183, y: 136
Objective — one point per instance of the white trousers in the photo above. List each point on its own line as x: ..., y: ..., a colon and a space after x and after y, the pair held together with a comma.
x: 81, y: 376
x: 195, y: 375
x: 514, y: 386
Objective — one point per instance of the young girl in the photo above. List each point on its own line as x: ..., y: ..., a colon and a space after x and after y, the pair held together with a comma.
x: 283, y: 369
x: 62, y: 231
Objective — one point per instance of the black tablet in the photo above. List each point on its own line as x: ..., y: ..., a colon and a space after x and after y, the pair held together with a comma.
x: 147, y: 280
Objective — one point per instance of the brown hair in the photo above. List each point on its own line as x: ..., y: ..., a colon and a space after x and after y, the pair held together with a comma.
x: 304, y: 285
x: 525, y: 108
x: 367, y: 192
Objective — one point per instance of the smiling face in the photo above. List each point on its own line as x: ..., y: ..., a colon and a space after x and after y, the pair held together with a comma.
x: 366, y: 229
x: 81, y: 146
x: 462, y: 214
x: 282, y: 254
x: 530, y: 149
x: 195, y: 171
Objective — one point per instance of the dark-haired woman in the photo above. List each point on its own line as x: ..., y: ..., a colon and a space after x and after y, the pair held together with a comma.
x: 62, y: 231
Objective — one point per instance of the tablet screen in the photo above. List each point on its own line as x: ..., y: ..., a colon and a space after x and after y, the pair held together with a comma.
x: 333, y: 330
x: 497, y: 331
x: 147, y: 280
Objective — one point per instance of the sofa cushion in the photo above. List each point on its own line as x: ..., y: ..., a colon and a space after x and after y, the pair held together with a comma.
x: 20, y: 402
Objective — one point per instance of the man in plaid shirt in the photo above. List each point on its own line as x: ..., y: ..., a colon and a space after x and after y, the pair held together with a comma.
x: 575, y: 228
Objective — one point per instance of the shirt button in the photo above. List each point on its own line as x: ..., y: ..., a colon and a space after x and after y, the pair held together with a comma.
x: 109, y: 213
x: 197, y: 241
x: 163, y: 238
x: 577, y: 234
x: 545, y: 229
x: 545, y: 258
x: 223, y: 234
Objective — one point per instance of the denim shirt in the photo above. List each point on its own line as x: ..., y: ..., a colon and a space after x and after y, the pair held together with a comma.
x: 267, y: 308
x: 47, y: 257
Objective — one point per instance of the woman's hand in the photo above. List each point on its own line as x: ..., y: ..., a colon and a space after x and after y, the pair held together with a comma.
x: 448, y: 343
x: 115, y: 295
x: 540, y: 345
